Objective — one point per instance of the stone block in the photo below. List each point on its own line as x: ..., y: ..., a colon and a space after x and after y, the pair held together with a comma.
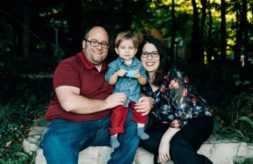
x: 219, y: 151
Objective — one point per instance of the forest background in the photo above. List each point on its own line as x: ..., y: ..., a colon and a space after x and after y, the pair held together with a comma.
x: 211, y: 40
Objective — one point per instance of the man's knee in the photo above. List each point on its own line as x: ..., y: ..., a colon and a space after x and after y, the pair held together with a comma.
x: 50, y: 142
x: 57, y: 151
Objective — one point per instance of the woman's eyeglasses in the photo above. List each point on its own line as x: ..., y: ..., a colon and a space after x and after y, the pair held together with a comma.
x: 153, y: 54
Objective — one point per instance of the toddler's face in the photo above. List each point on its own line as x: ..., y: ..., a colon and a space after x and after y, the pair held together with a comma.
x: 126, y: 49
x: 174, y: 84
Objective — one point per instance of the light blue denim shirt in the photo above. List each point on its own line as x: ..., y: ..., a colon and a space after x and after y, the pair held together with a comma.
x: 129, y: 86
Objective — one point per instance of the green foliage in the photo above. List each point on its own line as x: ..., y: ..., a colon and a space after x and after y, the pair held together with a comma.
x: 237, y: 118
x: 247, y: 120
x: 228, y: 90
x: 15, y: 123
x: 6, y: 36
x: 239, y: 81
x: 24, y: 100
x: 243, y: 160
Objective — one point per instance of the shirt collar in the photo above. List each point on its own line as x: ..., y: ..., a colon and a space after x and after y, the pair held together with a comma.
x: 134, y: 61
x: 87, y: 63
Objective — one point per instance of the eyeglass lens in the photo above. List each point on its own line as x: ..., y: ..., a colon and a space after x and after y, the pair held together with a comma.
x: 152, y: 54
x: 95, y: 43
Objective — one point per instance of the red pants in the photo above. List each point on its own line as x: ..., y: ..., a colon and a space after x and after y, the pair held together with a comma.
x: 119, y: 115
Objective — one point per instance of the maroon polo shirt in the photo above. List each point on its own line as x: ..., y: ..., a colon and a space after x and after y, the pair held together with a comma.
x: 77, y: 71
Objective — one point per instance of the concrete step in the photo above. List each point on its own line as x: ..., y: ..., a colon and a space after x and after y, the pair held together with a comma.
x: 219, y: 151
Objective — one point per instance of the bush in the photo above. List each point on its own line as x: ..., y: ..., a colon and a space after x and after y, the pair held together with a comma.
x: 22, y: 101
x: 229, y: 92
x: 236, y: 119
x: 16, y: 121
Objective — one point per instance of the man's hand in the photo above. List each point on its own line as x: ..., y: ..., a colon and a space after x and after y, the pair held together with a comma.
x: 115, y: 99
x: 144, y: 105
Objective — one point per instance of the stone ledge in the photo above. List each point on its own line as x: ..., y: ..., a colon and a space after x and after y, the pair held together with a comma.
x: 219, y: 151
x: 100, y: 155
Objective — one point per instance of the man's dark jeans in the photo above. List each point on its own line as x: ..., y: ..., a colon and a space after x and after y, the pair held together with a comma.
x: 64, y: 140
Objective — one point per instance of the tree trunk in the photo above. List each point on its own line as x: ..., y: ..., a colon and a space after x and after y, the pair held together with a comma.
x: 210, y: 51
x: 223, y: 31
x: 237, y: 50
x: 75, y: 35
x: 202, y: 30
x: 173, y: 33
x: 26, y: 44
x: 251, y: 29
x: 244, y: 25
x: 126, y: 16
x: 195, y: 54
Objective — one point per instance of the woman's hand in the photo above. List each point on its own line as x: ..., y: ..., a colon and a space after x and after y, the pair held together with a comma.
x: 175, y: 124
x: 163, y: 151
x: 144, y: 105
x: 164, y: 147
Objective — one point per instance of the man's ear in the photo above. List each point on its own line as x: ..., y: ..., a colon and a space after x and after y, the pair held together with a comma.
x: 84, y: 44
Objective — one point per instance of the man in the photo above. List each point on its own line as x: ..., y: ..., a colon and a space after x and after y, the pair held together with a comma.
x: 79, y: 112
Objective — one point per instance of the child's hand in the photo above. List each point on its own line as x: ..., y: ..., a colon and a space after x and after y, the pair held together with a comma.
x: 137, y: 74
x: 121, y: 72
x: 133, y: 74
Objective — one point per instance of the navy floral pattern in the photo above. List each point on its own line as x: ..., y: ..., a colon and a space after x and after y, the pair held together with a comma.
x: 180, y: 102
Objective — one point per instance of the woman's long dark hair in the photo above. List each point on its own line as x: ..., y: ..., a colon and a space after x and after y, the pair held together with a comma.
x: 164, y: 59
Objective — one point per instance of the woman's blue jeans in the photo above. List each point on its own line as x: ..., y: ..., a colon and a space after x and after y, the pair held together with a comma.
x: 63, y: 140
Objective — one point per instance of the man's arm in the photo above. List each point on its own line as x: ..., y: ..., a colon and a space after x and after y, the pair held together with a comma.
x: 71, y: 101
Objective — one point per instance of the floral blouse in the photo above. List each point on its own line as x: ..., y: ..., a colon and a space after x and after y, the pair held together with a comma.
x: 176, y: 99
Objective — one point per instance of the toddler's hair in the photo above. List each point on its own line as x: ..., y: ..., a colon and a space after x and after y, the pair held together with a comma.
x: 126, y: 35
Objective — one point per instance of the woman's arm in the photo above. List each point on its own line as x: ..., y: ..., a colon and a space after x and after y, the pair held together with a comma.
x: 164, y: 146
x: 142, y: 80
x: 142, y: 76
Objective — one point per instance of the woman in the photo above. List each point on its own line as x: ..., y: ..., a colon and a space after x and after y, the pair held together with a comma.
x: 180, y: 121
